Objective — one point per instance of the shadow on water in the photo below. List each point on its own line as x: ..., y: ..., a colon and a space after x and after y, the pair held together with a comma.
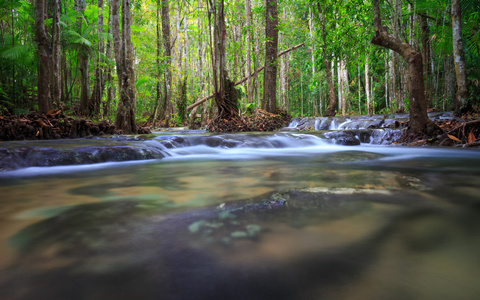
x: 316, y: 221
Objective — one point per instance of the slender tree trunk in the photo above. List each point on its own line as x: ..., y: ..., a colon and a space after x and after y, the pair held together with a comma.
x: 126, y: 110
x: 99, y: 83
x: 330, y: 110
x: 117, y: 40
x: 43, y: 81
x: 83, y: 64
x: 159, y: 47
x: 248, y: 38
x: 425, y: 37
x: 449, y: 81
x: 56, y: 58
x: 271, y: 47
x: 419, y: 122
x: 367, y: 88
x: 109, y: 79
x: 165, y: 107
x: 459, y: 59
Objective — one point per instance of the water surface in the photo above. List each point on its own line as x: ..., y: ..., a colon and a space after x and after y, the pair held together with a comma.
x: 283, y: 216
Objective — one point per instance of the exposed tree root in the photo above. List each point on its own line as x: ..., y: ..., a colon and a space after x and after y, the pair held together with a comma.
x: 260, y: 121
x: 456, y: 132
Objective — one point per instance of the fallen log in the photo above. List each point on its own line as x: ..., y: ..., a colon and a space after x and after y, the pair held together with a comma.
x: 245, y: 78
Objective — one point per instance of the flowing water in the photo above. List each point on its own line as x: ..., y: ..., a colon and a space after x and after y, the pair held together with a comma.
x: 252, y: 216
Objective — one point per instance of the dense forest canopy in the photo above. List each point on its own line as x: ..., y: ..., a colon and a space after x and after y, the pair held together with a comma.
x: 152, y: 59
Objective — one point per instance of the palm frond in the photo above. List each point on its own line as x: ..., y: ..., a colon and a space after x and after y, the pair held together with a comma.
x: 74, y: 37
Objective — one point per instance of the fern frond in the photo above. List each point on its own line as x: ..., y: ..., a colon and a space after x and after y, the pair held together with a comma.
x: 17, y: 51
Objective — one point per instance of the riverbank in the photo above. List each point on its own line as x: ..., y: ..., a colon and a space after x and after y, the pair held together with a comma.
x: 53, y: 125
x: 457, y: 132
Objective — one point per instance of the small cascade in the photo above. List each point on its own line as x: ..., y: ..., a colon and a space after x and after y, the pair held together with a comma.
x: 344, y: 124
x: 293, y: 124
x: 332, y: 125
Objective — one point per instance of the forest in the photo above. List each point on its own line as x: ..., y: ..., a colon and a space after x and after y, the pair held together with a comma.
x: 150, y: 62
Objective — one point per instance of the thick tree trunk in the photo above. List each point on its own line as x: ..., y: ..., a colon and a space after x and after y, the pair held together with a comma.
x: 125, y: 117
x: 459, y: 59
x: 43, y: 80
x: 330, y: 110
x: 270, y: 74
x: 419, y: 122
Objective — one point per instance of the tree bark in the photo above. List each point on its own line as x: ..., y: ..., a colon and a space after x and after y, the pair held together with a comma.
x: 83, y: 64
x: 245, y: 78
x: 126, y: 110
x: 117, y: 40
x: 419, y: 121
x: 167, y: 95
x: 425, y: 37
x: 56, y: 58
x: 330, y: 110
x: 224, y: 95
x: 271, y: 46
x: 97, y: 93
x: 159, y: 47
x: 43, y: 80
x: 459, y: 59
x: 367, y: 88
x: 248, y: 39
x: 109, y: 79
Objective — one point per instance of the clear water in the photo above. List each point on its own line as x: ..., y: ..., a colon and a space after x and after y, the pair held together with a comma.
x: 286, y: 216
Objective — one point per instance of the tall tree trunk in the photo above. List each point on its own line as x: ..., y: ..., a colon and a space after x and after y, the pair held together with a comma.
x: 224, y: 95
x: 425, y: 37
x: 419, y: 122
x: 367, y: 88
x: 117, y: 40
x: 271, y: 47
x: 159, y: 47
x: 56, y: 58
x: 248, y: 38
x: 330, y: 110
x: 459, y: 59
x: 343, y: 89
x: 109, y: 79
x: 126, y: 110
x: 43, y: 80
x: 165, y: 107
x: 99, y: 84
x: 449, y: 81
x: 83, y: 64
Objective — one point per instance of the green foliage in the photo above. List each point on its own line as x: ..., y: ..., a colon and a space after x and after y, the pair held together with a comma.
x: 349, y: 27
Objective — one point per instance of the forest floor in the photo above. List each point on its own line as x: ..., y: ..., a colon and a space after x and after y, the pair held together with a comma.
x: 53, y: 125
x: 457, y: 132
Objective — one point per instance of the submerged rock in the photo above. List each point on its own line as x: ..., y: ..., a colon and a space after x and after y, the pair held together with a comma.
x: 22, y: 157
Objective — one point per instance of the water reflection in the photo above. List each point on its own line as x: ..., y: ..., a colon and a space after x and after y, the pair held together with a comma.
x: 336, y: 223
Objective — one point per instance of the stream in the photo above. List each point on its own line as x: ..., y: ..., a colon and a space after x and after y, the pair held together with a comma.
x: 333, y: 214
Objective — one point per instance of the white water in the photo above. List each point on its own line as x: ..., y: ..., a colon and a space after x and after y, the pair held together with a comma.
x: 237, y: 147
